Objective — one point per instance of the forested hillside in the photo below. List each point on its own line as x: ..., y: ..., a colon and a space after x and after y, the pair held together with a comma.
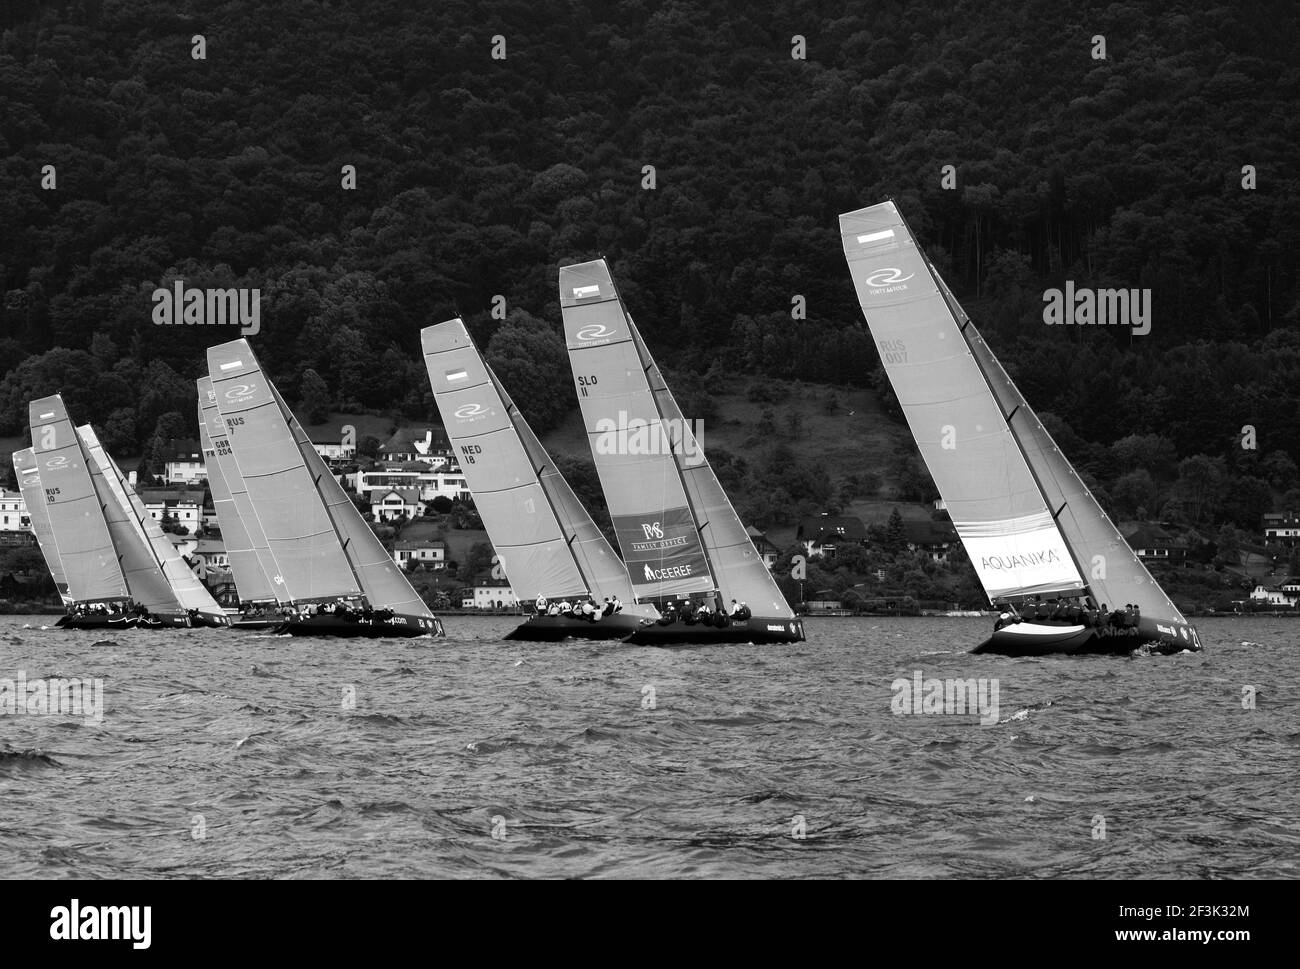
x: 476, y: 176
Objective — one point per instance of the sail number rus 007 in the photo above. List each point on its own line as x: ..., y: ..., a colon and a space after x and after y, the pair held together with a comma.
x: 893, y: 351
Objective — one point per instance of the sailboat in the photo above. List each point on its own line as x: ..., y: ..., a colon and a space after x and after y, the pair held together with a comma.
x: 546, y: 541
x: 333, y: 568
x: 1026, y: 519
x: 680, y: 537
x: 120, y: 571
x: 250, y: 559
x: 29, y: 483
x: 155, y: 573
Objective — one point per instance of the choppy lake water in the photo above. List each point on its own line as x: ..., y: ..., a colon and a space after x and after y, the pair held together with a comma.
x: 224, y: 754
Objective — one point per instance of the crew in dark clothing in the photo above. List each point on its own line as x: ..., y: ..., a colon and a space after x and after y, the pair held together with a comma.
x: 1004, y: 618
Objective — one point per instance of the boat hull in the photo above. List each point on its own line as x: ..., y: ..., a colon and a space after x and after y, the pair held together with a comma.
x: 400, y: 626
x: 1046, y: 638
x: 756, y: 630
x: 549, y: 629
x: 98, y: 622
x: 137, y: 622
x: 254, y: 625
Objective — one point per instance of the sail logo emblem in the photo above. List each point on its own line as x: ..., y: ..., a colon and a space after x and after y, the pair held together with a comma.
x: 55, y: 464
x: 468, y: 412
x: 240, y: 393
x: 594, y: 331
x: 888, y: 279
x: 671, y: 572
x: 653, y: 530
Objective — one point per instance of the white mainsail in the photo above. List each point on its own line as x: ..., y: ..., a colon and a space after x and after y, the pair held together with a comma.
x: 309, y: 558
x: 77, y: 524
x: 144, y: 579
x: 1115, y: 575
x: 158, y: 577
x: 380, y: 578
x: 251, y: 562
x: 29, y: 483
x: 546, y: 540
x: 322, y: 547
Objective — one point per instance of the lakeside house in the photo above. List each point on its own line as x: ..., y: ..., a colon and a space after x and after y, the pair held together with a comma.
x: 1285, y: 595
x: 821, y: 535
x: 182, y: 506
x: 429, y: 446
x: 183, y: 462
x: 13, y: 512
x: 1152, y: 543
x: 766, y: 550
x: 934, y: 538
x: 333, y: 450
x: 414, y: 475
x: 1282, y: 527
x: 491, y: 595
x: 428, y: 552
x: 210, y: 554
x: 393, y: 503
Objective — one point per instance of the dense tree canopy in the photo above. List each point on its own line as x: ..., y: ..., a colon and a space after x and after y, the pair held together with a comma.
x: 476, y: 177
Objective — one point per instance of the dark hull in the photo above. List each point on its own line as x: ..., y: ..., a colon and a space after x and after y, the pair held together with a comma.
x: 327, y: 625
x: 756, y: 630
x: 1047, y: 638
x: 253, y: 625
x: 98, y: 622
x: 549, y: 629
x: 135, y: 622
